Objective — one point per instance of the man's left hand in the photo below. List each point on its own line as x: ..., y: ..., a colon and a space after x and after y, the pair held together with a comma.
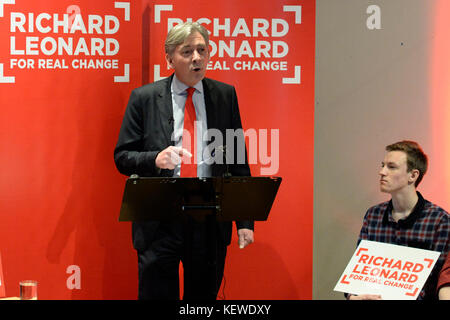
x: 245, y: 237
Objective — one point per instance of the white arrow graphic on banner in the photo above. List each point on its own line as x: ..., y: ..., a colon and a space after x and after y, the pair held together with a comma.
x: 297, y: 77
x: 297, y: 10
x: 159, y: 8
x: 2, y: 2
x: 4, y: 79
x: 126, y: 6
x: 157, y: 73
x: 126, y: 76
x: 298, y: 20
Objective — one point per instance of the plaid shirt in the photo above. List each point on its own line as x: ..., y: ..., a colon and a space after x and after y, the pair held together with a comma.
x: 426, y: 227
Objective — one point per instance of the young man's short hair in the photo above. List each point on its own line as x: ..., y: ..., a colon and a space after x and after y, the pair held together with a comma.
x: 415, y: 157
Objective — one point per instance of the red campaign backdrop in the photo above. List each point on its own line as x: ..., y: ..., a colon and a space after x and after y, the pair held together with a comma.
x: 66, y: 72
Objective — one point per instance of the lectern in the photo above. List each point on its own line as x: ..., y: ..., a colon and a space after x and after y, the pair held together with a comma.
x: 209, y: 199
x: 228, y: 198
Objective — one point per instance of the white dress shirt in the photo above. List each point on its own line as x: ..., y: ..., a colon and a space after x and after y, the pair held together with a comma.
x: 179, y: 96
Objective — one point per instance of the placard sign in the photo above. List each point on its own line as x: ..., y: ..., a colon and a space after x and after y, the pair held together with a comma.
x: 395, y: 272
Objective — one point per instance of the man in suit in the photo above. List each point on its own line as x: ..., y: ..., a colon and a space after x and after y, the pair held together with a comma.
x: 152, y: 143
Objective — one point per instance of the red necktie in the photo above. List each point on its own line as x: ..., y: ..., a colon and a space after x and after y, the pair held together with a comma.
x: 189, y: 165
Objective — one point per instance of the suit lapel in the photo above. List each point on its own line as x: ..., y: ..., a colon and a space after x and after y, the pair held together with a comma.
x: 210, y: 104
x: 164, y: 103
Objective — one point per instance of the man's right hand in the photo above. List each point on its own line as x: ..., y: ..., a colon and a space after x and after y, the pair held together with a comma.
x: 170, y: 157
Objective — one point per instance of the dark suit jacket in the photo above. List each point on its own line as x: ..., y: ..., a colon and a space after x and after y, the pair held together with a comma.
x: 147, y: 128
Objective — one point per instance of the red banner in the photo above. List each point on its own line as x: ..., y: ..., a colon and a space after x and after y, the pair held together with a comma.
x: 66, y: 73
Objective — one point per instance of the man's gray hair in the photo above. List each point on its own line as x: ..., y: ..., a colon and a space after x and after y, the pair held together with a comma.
x: 178, y: 34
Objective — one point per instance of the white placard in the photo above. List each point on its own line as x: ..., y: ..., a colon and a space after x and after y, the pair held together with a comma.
x: 392, y: 271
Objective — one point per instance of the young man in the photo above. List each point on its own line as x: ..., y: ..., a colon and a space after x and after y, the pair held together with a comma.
x: 152, y: 142
x: 407, y: 219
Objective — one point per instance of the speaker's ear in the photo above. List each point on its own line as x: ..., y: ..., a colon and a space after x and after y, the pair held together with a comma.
x: 169, y: 60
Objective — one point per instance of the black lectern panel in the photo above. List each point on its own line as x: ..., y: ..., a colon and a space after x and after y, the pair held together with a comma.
x: 246, y: 198
x: 229, y: 198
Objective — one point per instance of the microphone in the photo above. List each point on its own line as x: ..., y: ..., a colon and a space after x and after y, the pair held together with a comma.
x: 223, y: 149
